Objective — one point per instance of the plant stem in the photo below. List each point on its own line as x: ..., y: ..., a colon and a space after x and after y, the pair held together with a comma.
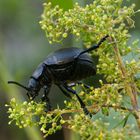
x: 129, y: 85
x: 90, y: 108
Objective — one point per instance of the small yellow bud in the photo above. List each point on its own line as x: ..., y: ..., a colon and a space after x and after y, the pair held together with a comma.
x: 49, y: 4
x: 22, y: 112
x: 50, y: 42
x: 10, y: 109
x: 62, y: 121
x: 65, y: 35
x: 13, y: 100
x: 104, y: 65
x: 54, y: 124
x: 50, y: 27
x: 24, y: 125
x: 73, y: 127
x: 65, y: 102
x: 9, y: 122
x: 133, y: 61
x: 96, y: 91
x: 77, y: 34
x: 44, y: 4
x: 25, y: 103
x: 101, y: 82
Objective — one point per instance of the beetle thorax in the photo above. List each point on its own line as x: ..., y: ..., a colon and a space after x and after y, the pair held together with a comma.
x: 41, y: 75
x: 34, y: 84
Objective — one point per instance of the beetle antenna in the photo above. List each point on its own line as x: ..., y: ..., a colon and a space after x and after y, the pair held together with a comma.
x: 95, y: 46
x: 13, y: 82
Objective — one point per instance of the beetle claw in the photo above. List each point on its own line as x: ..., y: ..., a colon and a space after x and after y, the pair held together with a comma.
x: 48, y: 108
x: 86, y: 112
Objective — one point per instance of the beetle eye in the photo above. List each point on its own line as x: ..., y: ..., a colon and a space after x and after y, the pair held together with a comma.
x: 33, y: 84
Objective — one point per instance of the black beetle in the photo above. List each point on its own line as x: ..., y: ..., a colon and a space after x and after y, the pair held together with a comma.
x: 62, y: 67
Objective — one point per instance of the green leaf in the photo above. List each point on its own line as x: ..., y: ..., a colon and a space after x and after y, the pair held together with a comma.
x: 62, y: 3
x: 105, y: 111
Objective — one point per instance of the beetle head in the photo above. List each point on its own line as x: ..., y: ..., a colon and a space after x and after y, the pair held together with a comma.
x: 32, y: 88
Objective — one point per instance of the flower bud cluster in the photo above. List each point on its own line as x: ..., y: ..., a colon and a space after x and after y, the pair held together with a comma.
x: 108, y: 67
x: 28, y: 114
x: 99, y: 130
x: 108, y: 94
x: 24, y: 114
x: 88, y: 23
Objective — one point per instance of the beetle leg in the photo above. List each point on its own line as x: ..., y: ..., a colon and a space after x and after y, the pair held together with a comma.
x: 64, y: 92
x: 71, y: 84
x: 95, y: 46
x: 83, y: 106
x: 85, y: 85
x: 46, y: 99
x: 79, y: 83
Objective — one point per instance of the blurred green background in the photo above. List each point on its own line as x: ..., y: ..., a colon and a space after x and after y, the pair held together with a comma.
x: 23, y: 45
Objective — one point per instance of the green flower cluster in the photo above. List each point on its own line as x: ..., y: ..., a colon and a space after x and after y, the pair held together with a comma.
x: 28, y: 114
x: 24, y: 114
x: 88, y: 23
x: 99, y: 130
x: 108, y: 66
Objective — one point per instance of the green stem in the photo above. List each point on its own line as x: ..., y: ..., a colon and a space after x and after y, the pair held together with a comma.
x: 129, y: 86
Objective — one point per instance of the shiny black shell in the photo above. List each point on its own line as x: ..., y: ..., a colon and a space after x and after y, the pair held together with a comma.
x: 65, y: 55
x: 66, y: 64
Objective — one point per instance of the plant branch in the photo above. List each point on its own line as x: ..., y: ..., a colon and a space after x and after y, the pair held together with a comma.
x: 129, y: 85
x: 91, y: 108
x: 130, y: 88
